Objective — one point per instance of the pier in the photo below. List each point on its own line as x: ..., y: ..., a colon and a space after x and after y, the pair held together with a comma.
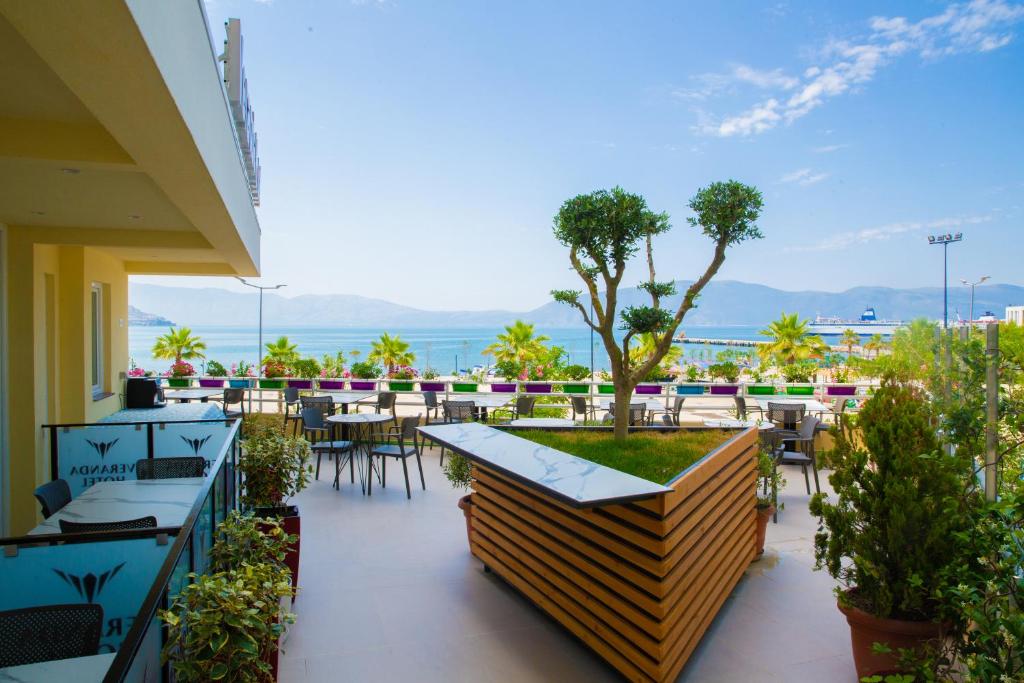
x: 719, y: 342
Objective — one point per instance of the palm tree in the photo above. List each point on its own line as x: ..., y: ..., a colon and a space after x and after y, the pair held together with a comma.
x: 282, y: 351
x: 391, y: 352
x: 517, y: 344
x: 179, y: 345
x: 875, y: 344
x: 645, y: 349
x: 849, y: 340
x: 790, y: 341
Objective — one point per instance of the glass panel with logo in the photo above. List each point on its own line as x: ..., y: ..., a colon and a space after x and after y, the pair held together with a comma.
x: 177, y: 439
x: 88, y: 455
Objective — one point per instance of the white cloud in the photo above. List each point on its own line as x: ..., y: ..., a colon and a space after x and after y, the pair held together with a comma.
x: 711, y: 85
x: 976, y: 26
x: 804, y: 176
x: 828, y: 149
x: 843, y: 240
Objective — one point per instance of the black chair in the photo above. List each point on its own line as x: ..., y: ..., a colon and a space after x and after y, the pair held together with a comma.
x: 170, y: 468
x: 400, y: 451
x: 671, y: 418
x: 523, y: 408
x: 786, y: 415
x: 53, y: 495
x: 386, y: 403
x: 433, y: 406
x: 319, y: 434
x: 234, y: 397
x: 325, y: 404
x: 743, y: 408
x: 457, y: 411
x: 69, y: 527
x: 291, y: 409
x: 803, y: 455
x: 580, y: 406
x: 41, y: 634
x: 637, y: 414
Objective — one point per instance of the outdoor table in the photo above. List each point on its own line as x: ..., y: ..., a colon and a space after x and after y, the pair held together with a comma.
x: 345, y: 398
x: 169, y: 500
x: 86, y: 669
x: 363, y: 426
x: 542, y: 422
x: 186, y: 395
x: 172, y: 412
x: 483, y: 402
x: 736, y: 424
x: 813, y: 405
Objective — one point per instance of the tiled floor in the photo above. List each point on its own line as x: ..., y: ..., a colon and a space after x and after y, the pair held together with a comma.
x: 391, y: 593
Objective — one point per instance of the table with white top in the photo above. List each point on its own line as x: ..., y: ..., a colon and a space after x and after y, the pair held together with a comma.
x: 186, y: 395
x: 483, y: 402
x: 812, y: 405
x: 346, y: 398
x: 362, y: 427
x: 542, y: 422
x: 169, y: 500
x: 80, y: 669
x: 172, y: 412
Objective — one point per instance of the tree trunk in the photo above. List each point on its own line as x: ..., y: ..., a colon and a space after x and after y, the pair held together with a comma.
x: 623, y: 393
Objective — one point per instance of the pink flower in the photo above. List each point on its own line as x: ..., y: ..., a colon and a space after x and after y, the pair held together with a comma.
x: 136, y: 372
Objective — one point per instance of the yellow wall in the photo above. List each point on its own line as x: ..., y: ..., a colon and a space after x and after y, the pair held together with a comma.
x: 49, y: 347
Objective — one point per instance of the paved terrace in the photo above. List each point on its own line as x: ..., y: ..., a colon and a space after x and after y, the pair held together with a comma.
x: 391, y: 593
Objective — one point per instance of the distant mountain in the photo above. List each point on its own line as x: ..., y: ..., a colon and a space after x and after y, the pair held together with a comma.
x: 137, y: 317
x: 724, y: 302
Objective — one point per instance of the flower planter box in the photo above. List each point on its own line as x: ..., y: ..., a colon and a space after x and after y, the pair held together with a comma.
x: 464, y: 387
x: 841, y: 390
x: 504, y: 387
x: 292, y: 525
x: 211, y: 383
x: 271, y: 384
x: 431, y: 386
x: 332, y: 384
x: 238, y: 383
x: 400, y: 385
x: 178, y: 382
x: 760, y: 390
x: 724, y: 389
x: 576, y: 388
x: 362, y: 385
x: 300, y: 383
x: 648, y: 389
x: 689, y: 390
x: 800, y: 391
x: 606, y: 388
x: 537, y: 387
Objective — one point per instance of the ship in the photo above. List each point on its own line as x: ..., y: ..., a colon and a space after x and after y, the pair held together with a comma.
x: 868, y: 324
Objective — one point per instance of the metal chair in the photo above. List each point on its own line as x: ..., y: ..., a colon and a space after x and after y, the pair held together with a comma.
x: 320, y: 436
x: 170, y: 468
x: 637, y: 414
x: 69, y: 527
x: 291, y: 409
x: 433, y: 405
x: 671, y: 418
x: 52, y: 496
x: 325, y: 404
x: 234, y: 396
x: 580, y: 406
x: 386, y: 402
x: 457, y: 411
x: 400, y: 451
x: 804, y: 456
x: 786, y: 415
x: 742, y: 408
x: 523, y: 408
x: 41, y: 634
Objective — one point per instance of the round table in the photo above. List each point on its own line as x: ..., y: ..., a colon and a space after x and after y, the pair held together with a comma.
x: 362, y: 427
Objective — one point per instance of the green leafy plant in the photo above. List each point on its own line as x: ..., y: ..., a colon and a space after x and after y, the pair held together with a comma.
x: 273, y: 369
x: 798, y: 372
x: 509, y: 369
x: 790, y: 341
x: 756, y: 374
x: 459, y: 471
x: 178, y: 345
x: 305, y: 368
x: 391, y: 352
x: 402, y: 372
x: 769, y: 479
x: 429, y: 373
x: 245, y: 539
x: 518, y: 344
x: 215, y: 369
x: 694, y: 373
x: 281, y: 350
x: 275, y: 468
x: 332, y: 367
x: 366, y: 370
x: 727, y: 371
x: 576, y: 373
x: 242, y: 369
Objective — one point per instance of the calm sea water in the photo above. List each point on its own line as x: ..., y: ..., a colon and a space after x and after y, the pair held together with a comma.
x: 444, y: 349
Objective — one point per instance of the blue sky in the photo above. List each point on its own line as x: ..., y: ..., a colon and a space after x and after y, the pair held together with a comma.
x: 417, y: 151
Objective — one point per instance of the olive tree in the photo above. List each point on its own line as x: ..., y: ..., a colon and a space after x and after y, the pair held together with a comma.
x: 604, y: 230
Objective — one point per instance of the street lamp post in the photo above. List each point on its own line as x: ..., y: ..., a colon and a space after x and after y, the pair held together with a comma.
x: 972, y: 285
x: 259, y: 349
x: 945, y: 241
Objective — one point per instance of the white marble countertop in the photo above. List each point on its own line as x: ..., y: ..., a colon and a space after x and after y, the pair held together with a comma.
x: 78, y: 669
x: 562, y: 476
x: 172, y: 412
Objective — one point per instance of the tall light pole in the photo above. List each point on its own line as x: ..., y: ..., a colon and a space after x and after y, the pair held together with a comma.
x: 945, y: 241
x: 259, y: 349
x: 972, y: 285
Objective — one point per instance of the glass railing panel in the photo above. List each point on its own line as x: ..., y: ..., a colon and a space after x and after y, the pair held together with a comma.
x: 92, y: 454
x: 202, y: 536
x: 146, y: 666
x: 205, y: 439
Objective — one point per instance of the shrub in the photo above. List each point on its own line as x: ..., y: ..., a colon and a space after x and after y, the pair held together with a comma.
x: 429, y: 373
x: 727, y: 371
x: 798, y: 372
x: 305, y: 368
x: 402, y: 372
x: 458, y: 471
x: 215, y: 369
x: 577, y: 373
x: 275, y: 467
x: 244, y: 539
x: 366, y: 370
x: 694, y: 373
x: 182, y: 369
x: 272, y: 369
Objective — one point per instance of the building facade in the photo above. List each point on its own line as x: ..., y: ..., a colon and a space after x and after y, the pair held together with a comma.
x: 1015, y: 315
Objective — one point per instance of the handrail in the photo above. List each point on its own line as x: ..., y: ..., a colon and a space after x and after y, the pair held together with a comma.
x: 72, y: 537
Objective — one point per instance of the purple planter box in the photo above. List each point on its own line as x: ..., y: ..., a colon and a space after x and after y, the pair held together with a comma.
x: 332, y: 384
x: 841, y: 390
x: 724, y: 389
x: 431, y: 386
x: 538, y: 387
x: 300, y: 383
x: 211, y: 383
x: 648, y: 389
x: 363, y: 385
x: 503, y: 387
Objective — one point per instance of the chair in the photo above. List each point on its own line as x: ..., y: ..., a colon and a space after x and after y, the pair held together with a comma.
x: 69, y: 527
x: 671, y: 418
x: 232, y: 397
x: 399, y: 450
x: 786, y: 414
x: 433, y: 405
x: 53, y: 495
x: 803, y: 441
x: 386, y: 402
x: 523, y: 408
x: 291, y: 409
x: 325, y: 404
x: 637, y: 413
x: 170, y: 468
x: 742, y: 408
x: 580, y: 406
x: 41, y: 634
x: 319, y: 433
x: 457, y: 411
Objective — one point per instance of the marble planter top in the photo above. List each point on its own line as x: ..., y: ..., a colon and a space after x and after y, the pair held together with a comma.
x: 80, y: 669
x: 562, y: 476
x: 169, y: 500
x: 172, y: 412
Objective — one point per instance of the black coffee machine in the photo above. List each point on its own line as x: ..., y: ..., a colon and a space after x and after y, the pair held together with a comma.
x: 143, y: 392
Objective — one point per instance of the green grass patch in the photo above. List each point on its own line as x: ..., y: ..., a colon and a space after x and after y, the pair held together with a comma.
x: 655, y: 457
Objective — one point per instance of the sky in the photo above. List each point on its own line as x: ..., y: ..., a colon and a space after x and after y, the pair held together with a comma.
x: 417, y: 151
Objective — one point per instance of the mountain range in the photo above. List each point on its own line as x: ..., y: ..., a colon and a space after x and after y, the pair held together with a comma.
x: 724, y: 302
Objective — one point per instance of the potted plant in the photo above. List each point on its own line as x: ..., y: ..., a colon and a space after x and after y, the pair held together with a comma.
x: 510, y: 371
x: 606, y: 386
x: 241, y: 374
x: 332, y: 372
x: 428, y: 381
x: 363, y: 371
x: 274, y: 468
x: 578, y: 373
x: 274, y: 372
x: 895, y: 526
x: 180, y: 374
x: 459, y: 473
x: 305, y: 369
x: 216, y: 374
x: 840, y: 385
x: 798, y: 373
x: 534, y: 374
x: 401, y: 378
x: 466, y: 383
x: 769, y: 481
x: 729, y: 373
x: 694, y: 375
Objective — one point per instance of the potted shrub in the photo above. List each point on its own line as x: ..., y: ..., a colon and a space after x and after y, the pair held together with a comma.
x: 362, y: 371
x: 241, y: 374
x: 274, y: 468
x: 180, y: 374
x: 769, y: 481
x: 895, y: 526
x: 305, y: 369
x: 840, y: 385
x: 798, y: 373
x: 401, y: 378
x: 606, y: 386
x: 729, y: 373
x: 459, y: 471
x: 694, y: 374
x: 510, y: 370
x: 274, y: 372
x: 534, y: 376
x: 578, y: 373
x: 216, y: 374
x: 332, y: 372
x: 429, y: 381
x: 466, y: 383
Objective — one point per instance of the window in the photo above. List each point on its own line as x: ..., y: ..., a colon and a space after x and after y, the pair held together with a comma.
x: 98, y: 377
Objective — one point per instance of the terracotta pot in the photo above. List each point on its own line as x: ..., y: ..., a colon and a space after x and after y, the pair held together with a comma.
x: 865, y: 630
x: 466, y: 505
x: 763, y: 515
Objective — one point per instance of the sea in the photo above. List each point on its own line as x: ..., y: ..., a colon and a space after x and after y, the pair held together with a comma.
x: 444, y: 349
